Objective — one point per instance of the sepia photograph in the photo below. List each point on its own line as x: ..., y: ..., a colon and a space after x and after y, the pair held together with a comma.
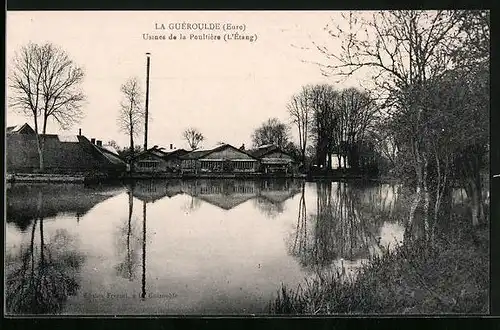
x: 247, y: 163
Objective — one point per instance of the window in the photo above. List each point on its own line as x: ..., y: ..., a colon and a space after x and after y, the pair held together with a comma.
x: 148, y: 164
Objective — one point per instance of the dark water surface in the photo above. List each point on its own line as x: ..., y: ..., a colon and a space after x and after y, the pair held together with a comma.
x: 186, y: 247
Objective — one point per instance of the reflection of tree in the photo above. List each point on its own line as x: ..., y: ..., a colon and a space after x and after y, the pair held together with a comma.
x: 340, y: 228
x: 270, y: 208
x: 41, y: 278
x: 300, y: 241
x: 127, y: 268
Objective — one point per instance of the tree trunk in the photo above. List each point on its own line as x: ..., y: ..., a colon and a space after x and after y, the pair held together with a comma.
x: 475, y: 201
x: 40, y: 157
x: 39, y: 146
x: 131, y: 143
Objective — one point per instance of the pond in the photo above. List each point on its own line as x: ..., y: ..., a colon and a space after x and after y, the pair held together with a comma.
x: 186, y: 247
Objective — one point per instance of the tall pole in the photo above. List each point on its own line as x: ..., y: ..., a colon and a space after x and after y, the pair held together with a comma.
x: 147, y: 105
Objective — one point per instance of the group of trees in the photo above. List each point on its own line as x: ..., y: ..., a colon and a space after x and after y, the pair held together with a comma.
x: 328, y: 121
x: 431, y: 73
x: 335, y: 121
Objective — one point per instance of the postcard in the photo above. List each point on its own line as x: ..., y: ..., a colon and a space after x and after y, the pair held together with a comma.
x: 247, y: 163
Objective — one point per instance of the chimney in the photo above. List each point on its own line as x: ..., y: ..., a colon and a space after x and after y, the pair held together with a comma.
x: 92, y: 140
x: 79, y: 132
x: 171, y: 146
x: 99, y: 143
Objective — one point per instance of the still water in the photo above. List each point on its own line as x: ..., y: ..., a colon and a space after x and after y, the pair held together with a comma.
x: 186, y: 247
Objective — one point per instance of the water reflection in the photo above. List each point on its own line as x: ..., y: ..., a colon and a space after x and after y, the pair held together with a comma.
x: 269, y: 195
x: 26, y: 202
x: 347, y: 225
x: 42, y: 275
x: 128, y: 243
x: 194, y: 246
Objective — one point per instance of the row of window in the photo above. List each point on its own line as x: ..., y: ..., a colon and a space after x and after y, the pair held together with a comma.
x: 221, y: 189
x: 145, y: 164
x: 218, y: 165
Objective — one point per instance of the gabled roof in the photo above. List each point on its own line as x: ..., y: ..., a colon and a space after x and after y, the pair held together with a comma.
x: 160, y: 153
x: 111, y: 156
x: 266, y: 149
x: 197, y: 154
x: 110, y: 149
x: 175, y: 153
x: 20, y: 129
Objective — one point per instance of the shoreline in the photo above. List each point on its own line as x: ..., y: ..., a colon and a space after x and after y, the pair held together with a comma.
x: 415, y: 278
x: 88, y: 178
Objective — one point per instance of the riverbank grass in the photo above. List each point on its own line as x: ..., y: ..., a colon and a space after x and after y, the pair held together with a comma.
x: 449, y: 274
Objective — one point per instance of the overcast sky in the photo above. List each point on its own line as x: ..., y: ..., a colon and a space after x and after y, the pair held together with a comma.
x: 225, y: 89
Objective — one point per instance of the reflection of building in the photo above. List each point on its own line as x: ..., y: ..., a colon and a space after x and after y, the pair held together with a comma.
x: 228, y: 194
x: 28, y: 202
x: 152, y: 190
x: 61, y: 153
x: 278, y: 191
x: 225, y: 194
x: 273, y: 159
x: 156, y: 160
x: 224, y: 158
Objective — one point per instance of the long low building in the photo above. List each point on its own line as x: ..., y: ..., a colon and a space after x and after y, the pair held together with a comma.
x: 222, y: 159
x: 61, y: 154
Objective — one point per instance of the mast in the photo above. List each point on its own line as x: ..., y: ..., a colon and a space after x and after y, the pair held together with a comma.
x: 147, y: 104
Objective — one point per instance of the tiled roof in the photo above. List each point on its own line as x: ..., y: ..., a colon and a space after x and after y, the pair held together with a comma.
x: 197, y: 154
x: 263, y: 150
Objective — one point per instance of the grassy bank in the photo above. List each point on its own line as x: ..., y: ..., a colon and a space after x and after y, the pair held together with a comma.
x: 448, y: 275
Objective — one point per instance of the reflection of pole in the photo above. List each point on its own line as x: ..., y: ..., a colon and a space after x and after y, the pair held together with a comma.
x: 42, y: 244
x: 130, y: 210
x: 143, y: 294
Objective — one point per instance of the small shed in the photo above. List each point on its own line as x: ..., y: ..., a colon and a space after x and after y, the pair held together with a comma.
x: 156, y: 160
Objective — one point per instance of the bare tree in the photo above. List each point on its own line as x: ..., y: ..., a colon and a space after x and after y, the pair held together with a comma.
x: 46, y: 84
x: 114, y: 144
x: 301, y: 115
x: 357, y: 113
x: 271, y: 131
x: 410, y: 54
x: 131, y: 113
x: 326, y: 119
x: 193, y: 137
